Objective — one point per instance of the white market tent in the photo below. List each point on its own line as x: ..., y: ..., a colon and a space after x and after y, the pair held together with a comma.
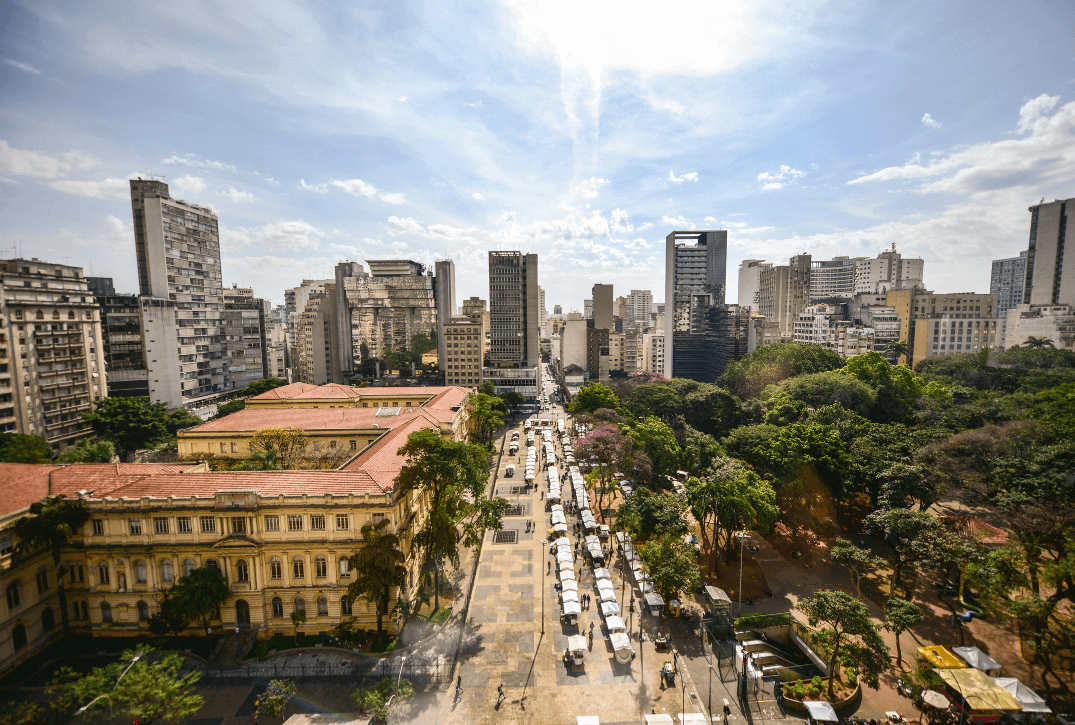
x: 820, y: 711
x: 571, y: 608
x: 1030, y: 700
x: 569, y: 585
x: 977, y: 659
x: 604, y: 585
x: 659, y: 719
x: 602, y: 573
x: 576, y: 643
x: 587, y: 720
x: 621, y: 646
x: 615, y: 624
x: 570, y: 595
x: 563, y: 556
x: 606, y: 595
x: 609, y: 609
x: 566, y: 574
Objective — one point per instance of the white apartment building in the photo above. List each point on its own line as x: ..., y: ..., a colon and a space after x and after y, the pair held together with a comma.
x: 1053, y: 322
x: 834, y: 278
x: 889, y: 271
x: 639, y: 306
x: 749, y: 272
x: 653, y: 352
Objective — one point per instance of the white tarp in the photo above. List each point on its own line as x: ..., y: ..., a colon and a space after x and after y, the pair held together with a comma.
x: 571, y: 608
x: 570, y: 596
x: 569, y: 585
x: 606, y: 595
x: 601, y: 573
x: 604, y: 585
x: 576, y: 643
x: 615, y: 624
x: 977, y: 659
x: 820, y: 711
x: 1030, y: 700
x: 621, y: 645
x: 609, y: 609
x: 567, y: 574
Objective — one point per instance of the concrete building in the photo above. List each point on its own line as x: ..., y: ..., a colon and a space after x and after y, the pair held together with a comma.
x: 889, y: 271
x: 946, y: 323
x: 598, y: 354
x: 849, y: 340
x: 834, y: 278
x: 701, y: 331
x: 653, y: 352
x: 749, y: 274
x: 640, y: 308
x: 603, y: 312
x: 513, y: 361
x: 557, y: 310
x: 295, y: 300
x: 244, y: 331
x: 276, y: 348
x: 316, y: 357
x: 573, y: 342
x: 463, y: 357
x: 632, y: 349
x: 444, y: 301
x: 784, y: 292
x: 52, y: 364
x: 762, y: 332
x: 178, y: 250
x: 1006, y: 281
x: 475, y: 309
x: 815, y: 323
x: 1050, y: 260
x: 1052, y: 322
x: 587, y: 309
x: 543, y: 314
x: 343, y: 333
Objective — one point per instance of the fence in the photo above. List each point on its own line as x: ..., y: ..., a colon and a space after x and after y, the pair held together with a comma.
x: 359, y: 672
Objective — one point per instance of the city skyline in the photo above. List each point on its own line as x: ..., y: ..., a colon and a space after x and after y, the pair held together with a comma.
x: 802, y: 141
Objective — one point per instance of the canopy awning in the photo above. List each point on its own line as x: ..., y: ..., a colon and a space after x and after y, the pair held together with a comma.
x: 602, y: 573
x: 658, y: 719
x: 569, y: 585
x: 606, y: 595
x: 620, y: 641
x: 571, y: 608
x: 940, y: 657
x: 820, y: 711
x: 609, y: 609
x: 1030, y: 700
x: 570, y: 595
x: 576, y: 643
x: 979, y: 690
x: 566, y: 574
x: 615, y: 624
x: 562, y: 556
x: 605, y: 585
x: 560, y: 528
x: 977, y: 659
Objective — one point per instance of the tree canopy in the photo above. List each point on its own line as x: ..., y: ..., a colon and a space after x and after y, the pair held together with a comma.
x: 770, y: 364
x: 20, y: 448
x: 594, y: 395
x: 378, y: 567
x: 130, y: 423
x: 88, y: 451
x: 845, y: 629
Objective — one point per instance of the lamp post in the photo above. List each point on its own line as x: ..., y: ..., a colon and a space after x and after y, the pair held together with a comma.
x: 111, y: 715
x: 742, y: 536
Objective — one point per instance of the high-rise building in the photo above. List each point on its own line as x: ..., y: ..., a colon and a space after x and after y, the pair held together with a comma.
x: 1052, y: 322
x: 52, y: 365
x: 639, y: 307
x: 888, y: 271
x: 317, y: 350
x: 444, y: 301
x: 784, y: 292
x: 462, y: 360
x: 700, y: 328
x: 602, y: 307
x: 276, y: 348
x: 940, y: 324
x: 653, y: 352
x: 178, y: 249
x: 749, y: 272
x: 1006, y: 282
x: 587, y: 309
x: 557, y: 310
x: 475, y: 309
x: 295, y: 300
x: 573, y: 342
x: 834, y: 278
x: 343, y: 332
x: 244, y: 329
x: 513, y: 362
x: 543, y: 314
x: 1050, y: 260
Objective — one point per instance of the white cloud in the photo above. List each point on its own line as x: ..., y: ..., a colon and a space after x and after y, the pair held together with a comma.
x: 637, y: 244
x: 238, y: 197
x: 772, y: 186
x: 355, y: 187
x: 397, y: 226
x: 780, y: 179
x: 32, y: 163
x: 109, y: 189
x: 690, y: 176
x: 711, y: 219
x: 477, y: 196
x: 620, y: 224
x: 1042, y: 160
x: 678, y: 222
x: 275, y: 237
x: 192, y: 160
x: 476, y: 104
x: 22, y: 66
x: 319, y: 188
x: 590, y: 188
x: 393, y: 198
x: 928, y: 120
x: 187, y: 185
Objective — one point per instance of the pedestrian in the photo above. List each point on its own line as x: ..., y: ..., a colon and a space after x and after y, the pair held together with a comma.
x: 499, y: 694
x: 459, y: 684
x: 550, y: 568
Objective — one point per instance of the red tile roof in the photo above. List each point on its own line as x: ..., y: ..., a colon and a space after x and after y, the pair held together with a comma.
x: 331, y: 390
x: 305, y: 391
x: 284, y: 391
x: 311, y: 419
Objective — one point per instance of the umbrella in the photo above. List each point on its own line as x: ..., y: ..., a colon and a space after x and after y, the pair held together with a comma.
x: 935, y: 699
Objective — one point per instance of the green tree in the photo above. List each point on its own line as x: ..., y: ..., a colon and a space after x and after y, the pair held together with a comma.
x: 19, y: 448
x: 199, y: 596
x: 594, y: 395
x: 909, y: 533
x: 611, y: 450
x: 897, y: 348
x: 180, y: 418
x: 451, y: 477
x: 297, y: 618
x: 154, y: 690
x: 169, y: 618
x: 487, y: 388
x: 262, y: 386
x: 903, y: 481
x: 1035, y: 343
x: 845, y: 629
x: 792, y: 447
x: 782, y: 411
x: 897, y: 387
x: 659, y: 443
x: 130, y: 423
x: 672, y: 565
x: 729, y: 498
x: 647, y: 514
x: 286, y: 446
x: 486, y: 415
x: 1055, y: 408
x: 855, y: 558
x: 88, y: 451
x: 657, y: 398
x: 901, y: 615
x: 232, y: 406
x: 51, y: 524
x: 376, y: 700
x: 273, y: 702
x: 378, y: 567
x: 770, y: 364
x: 816, y: 390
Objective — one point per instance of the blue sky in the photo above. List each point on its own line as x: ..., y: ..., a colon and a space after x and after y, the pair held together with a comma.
x: 583, y: 131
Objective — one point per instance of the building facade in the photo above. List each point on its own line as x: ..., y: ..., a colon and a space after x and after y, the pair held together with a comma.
x: 834, y: 278
x: 1051, y: 322
x: 784, y: 292
x: 888, y: 271
x: 1006, y: 280
x: 514, y: 357
x: 463, y: 358
x: 244, y: 330
x: 1050, y: 260
x: 749, y: 280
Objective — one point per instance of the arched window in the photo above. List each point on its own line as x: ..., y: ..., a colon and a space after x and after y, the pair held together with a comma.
x: 166, y: 570
x: 86, y: 611
x: 188, y: 566
x: 40, y: 315
x: 42, y: 577
x: 70, y: 314
x: 212, y: 563
x: 322, y: 606
x: 106, y: 612
x: 18, y: 636
x: 242, y: 573
x: 298, y: 568
x: 102, y: 572
x: 300, y: 604
x: 345, y: 566
x: 320, y: 567
x: 277, y: 607
x: 55, y: 314
x: 143, y: 612
x: 48, y: 619
x: 345, y: 607
x: 275, y: 570
x: 139, y: 572
x: 13, y: 595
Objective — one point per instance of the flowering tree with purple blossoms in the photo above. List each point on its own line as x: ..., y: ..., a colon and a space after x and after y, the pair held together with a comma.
x: 610, y: 451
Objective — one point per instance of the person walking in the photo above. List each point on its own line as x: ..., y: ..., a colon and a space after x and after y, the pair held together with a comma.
x: 499, y: 694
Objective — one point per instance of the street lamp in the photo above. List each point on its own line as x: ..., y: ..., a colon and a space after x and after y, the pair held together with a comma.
x: 742, y: 536
x: 111, y: 715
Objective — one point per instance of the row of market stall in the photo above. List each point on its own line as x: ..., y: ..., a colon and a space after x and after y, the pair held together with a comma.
x: 969, y: 686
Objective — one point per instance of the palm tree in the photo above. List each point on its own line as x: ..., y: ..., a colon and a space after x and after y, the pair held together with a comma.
x: 52, y: 524
x: 898, y: 348
x: 200, y: 594
x: 1036, y: 343
x: 378, y: 567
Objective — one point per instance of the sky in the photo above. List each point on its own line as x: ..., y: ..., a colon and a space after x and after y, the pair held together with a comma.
x: 582, y: 131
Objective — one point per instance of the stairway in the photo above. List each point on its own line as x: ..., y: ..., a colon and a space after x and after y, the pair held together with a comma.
x: 233, y: 647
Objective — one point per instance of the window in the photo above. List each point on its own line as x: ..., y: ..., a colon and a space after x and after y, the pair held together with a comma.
x: 106, y: 612
x: 139, y: 572
x: 345, y: 566
x: 76, y: 611
x: 234, y: 448
x: 332, y: 444
x: 12, y: 595
x: 208, y: 525
x: 300, y: 605
x: 102, y: 572
x: 223, y: 447
x: 188, y: 566
x: 272, y: 523
x: 98, y: 527
x: 238, y: 524
x: 135, y: 526
x: 354, y: 445
x: 378, y: 518
x: 42, y: 580
x: 294, y: 522
x: 18, y: 636
x: 143, y: 612
x: 320, y: 567
x: 212, y: 563
x: 48, y: 619
x: 298, y: 568
x: 277, y: 607
x: 317, y: 522
x: 345, y: 607
x: 182, y: 524
x: 160, y: 525
x: 86, y: 611
x: 275, y: 570
x: 322, y: 607
x: 342, y: 522
x: 166, y: 570
x: 242, y: 572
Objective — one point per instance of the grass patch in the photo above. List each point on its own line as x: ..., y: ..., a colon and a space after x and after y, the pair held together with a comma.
x: 280, y: 644
x: 387, y: 645
x: 438, y: 617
